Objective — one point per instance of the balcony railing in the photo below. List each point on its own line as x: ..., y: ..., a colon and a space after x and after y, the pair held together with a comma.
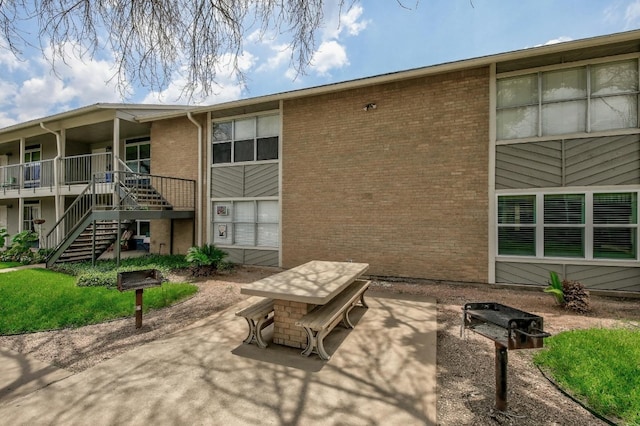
x: 74, y: 170
x: 36, y: 174
x: 79, y: 169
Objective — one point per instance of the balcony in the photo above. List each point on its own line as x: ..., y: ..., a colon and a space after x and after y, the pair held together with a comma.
x: 34, y: 177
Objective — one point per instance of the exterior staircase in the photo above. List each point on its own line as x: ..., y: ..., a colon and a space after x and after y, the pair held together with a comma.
x: 105, y: 208
x: 89, y: 244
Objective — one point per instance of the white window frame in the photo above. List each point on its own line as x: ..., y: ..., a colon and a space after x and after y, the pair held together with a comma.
x: 231, y: 223
x: 588, y: 226
x: 587, y: 63
x: 232, y: 141
x: 137, y: 142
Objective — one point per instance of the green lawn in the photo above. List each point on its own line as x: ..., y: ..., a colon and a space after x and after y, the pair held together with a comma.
x: 5, y: 265
x: 600, y: 367
x: 38, y: 299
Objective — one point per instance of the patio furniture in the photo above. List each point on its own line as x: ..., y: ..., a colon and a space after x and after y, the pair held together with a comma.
x: 258, y: 316
x: 297, y: 291
x: 320, y: 321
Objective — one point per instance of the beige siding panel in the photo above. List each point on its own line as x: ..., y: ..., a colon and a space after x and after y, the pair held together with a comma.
x: 603, y: 161
x: 261, y: 180
x: 525, y: 273
x: 593, y: 277
x: 261, y: 257
x: 606, y: 278
x: 252, y: 257
x: 529, y: 165
x: 227, y: 182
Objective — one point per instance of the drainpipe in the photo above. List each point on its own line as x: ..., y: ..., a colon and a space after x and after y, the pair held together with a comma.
x: 55, y: 172
x: 198, y: 183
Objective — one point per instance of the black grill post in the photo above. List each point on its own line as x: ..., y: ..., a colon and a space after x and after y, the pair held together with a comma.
x: 501, y: 377
x: 508, y: 328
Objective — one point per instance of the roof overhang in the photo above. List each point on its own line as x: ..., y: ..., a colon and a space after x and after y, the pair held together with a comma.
x: 608, y: 45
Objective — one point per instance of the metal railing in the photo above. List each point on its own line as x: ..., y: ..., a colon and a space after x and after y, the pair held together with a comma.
x: 74, y: 170
x: 123, y: 190
x: 32, y: 175
x: 80, y: 168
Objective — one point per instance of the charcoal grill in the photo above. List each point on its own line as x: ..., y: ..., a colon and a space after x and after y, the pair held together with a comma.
x: 138, y: 281
x: 509, y: 328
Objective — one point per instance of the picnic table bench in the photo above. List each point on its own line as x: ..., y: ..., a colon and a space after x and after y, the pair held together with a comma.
x: 322, y: 319
x: 258, y: 316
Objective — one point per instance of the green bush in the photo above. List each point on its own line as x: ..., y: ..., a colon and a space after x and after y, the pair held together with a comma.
x: 20, y: 249
x: 105, y: 272
x: 206, y: 260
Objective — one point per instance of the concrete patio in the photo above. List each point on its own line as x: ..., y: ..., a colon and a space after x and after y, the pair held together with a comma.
x: 381, y: 372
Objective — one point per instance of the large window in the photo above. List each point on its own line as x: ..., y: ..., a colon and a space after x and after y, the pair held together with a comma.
x: 247, y: 139
x: 588, y: 99
x: 586, y: 225
x: 138, y: 154
x: 246, y: 223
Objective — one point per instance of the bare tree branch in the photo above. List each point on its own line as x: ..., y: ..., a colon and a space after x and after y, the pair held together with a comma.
x: 153, y: 41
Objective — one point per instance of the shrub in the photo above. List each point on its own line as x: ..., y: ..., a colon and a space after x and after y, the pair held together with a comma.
x: 206, y: 260
x: 3, y: 236
x: 20, y: 249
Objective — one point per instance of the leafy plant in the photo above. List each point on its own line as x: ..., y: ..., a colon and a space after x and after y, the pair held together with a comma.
x: 20, y: 249
x: 206, y: 260
x: 555, y: 287
x: 3, y: 236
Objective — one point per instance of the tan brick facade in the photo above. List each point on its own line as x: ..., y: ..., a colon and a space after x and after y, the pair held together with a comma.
x: 402, y: 187
x: 174, y: 152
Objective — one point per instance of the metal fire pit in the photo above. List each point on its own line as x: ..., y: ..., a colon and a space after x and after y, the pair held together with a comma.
x: 509, y: 328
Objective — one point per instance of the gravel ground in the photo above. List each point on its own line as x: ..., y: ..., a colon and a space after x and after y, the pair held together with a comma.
x: 465, y: 372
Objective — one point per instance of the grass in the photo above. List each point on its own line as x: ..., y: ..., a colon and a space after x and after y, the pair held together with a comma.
x: 599, y: 366
x: 5, y: 265
x: 38, y: 299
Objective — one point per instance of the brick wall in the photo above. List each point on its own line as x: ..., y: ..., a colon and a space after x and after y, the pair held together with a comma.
x: 174, y: 153
x: 402, y: 187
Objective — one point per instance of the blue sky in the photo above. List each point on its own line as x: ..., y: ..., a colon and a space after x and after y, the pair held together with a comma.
x: 372, y: 38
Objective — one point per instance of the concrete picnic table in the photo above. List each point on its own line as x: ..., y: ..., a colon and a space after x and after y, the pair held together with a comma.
x: 298, y: 290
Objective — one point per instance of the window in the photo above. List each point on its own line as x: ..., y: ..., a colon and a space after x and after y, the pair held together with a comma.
x: 248, y: 139
x: 253, y: 223
x: 138, y: 154
x: 591, y: 98
x: 615, y: 219
x: 586, y: 225
x: 564, y: 225
x: 516, y: 225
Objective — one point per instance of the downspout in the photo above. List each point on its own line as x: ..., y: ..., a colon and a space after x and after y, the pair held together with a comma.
x: 55, y: 172
x: 198, y: 183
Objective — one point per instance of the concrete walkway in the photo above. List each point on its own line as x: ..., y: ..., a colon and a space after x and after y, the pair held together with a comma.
x: 383, y: 372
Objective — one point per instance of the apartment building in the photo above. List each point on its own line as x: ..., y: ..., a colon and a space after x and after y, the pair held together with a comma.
x: 496, y: 169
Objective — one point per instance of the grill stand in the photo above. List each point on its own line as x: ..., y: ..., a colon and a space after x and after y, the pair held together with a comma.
x: 501, y: 377
x: 508, y: 328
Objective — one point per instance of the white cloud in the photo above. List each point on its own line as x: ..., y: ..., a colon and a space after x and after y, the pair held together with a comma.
x: 560, y: 39
x: 348, y: 20
x: 329, y: 55
x: 351, y: 23
x: 632, y: 14
x: 228, y: 86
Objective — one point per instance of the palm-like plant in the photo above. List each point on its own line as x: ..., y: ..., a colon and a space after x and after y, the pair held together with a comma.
x: 555, y: 287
